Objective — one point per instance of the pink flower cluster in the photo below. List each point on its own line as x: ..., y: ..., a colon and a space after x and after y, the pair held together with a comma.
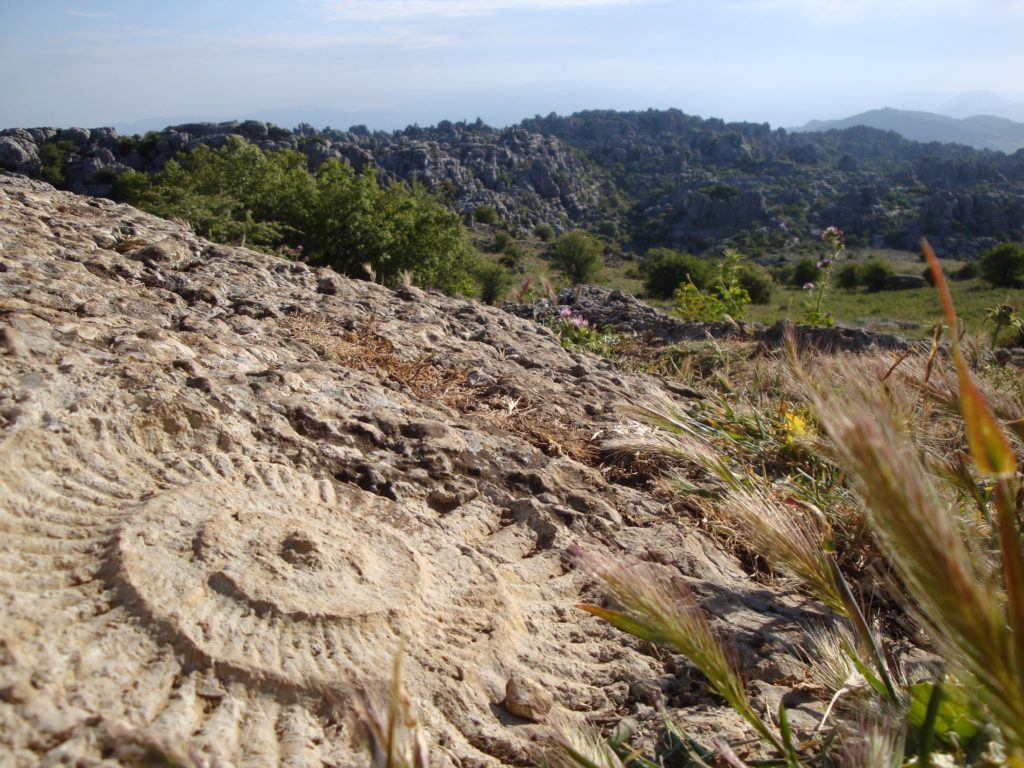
x: 832, y: 235
x: 577, y: 321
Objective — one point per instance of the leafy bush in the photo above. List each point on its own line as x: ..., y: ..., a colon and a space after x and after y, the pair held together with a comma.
x: 804, y: 271
x: 726, y: 300
x: 545, y: 232
x: 54, y: 156
x: 968, y: 271
x: 874, y: 274
x: 756, y: 281
x: 665, y: 270
x: 1003, y: 266
x: 493, y: 280
x: 501, y: 241
x: 512, y: 256
x: 242, y: 194
x: 848, y: 276
x: 485, y: 214
x: 398, y: 229
x: 577, y: 255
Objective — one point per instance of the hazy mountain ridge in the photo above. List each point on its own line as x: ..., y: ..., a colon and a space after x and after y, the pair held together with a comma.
x: 651, y: 178
x: 978, y: 131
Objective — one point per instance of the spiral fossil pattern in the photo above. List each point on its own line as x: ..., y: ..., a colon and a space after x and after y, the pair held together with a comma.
x: 235, y: 601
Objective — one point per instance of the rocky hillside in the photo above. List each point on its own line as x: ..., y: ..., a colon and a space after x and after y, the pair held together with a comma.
x: 653, y: 178
x: 696, y: 183
x: 528, y: 178
x: 664, y: 178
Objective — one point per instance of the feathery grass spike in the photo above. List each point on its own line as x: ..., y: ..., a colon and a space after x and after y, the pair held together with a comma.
x: 989, y: 447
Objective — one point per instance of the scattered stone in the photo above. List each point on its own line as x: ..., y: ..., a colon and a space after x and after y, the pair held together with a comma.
x: 527, y: 699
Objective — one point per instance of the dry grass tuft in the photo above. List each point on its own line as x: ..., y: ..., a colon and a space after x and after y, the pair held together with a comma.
x: 656, y: 605
x: 389, y: 730
x: 365, y: 350
x: 577, y: 745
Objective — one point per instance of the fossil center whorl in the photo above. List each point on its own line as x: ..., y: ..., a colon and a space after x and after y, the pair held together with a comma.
x: 270, y: 583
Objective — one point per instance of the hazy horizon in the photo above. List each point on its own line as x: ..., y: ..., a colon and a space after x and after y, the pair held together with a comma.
x: 392, y: 63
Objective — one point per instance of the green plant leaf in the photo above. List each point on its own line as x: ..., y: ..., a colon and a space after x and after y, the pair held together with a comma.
x: 627, y: 624
x: 954, y: 722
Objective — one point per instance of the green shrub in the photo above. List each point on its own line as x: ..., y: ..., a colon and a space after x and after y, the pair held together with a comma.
x: 726, y: 299
x: 54, y: 156
x: 968, y: 271
x: 756, y: 281
x: 874, y: 274
x: 501, y: 241
x: 485, y: 214
x: 1003, y: 266
x: 665, y: 270
x: 804, y: 271
x: 578, y: 255
x: 512, y: 256
x: 545, y: 232
x: 848, y: 276
x: 242, y: 194
x: 493, y: 281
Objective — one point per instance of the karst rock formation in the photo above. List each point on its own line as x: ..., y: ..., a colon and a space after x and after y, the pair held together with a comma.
x: 232, y: 487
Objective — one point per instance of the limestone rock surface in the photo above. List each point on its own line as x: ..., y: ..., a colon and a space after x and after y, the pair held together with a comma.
x: 229, y: 495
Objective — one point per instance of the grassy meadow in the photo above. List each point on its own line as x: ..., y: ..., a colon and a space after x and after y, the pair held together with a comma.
x: 910, y: 312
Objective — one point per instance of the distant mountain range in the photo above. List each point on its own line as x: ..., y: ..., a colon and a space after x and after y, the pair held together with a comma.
x: 650, y: 178
x: 978, y: 131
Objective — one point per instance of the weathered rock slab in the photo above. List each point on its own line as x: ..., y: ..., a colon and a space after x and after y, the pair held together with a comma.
x: 228, y: 496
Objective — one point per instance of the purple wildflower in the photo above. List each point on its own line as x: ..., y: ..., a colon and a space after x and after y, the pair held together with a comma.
x: 580, y: 322
x: 832, y: 234
x: 825, y: 262
x: 808, y: 286
x: 565, y: 313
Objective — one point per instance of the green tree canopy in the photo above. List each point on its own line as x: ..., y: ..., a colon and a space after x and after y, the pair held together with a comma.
x: 1003, y: 266
x: 242, y: 194
x: 664, y: 270
x: 577, y: 255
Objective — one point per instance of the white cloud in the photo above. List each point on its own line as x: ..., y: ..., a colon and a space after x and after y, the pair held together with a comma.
x: 84, y: 14
x: 394, y: 10
x: 843, y: 11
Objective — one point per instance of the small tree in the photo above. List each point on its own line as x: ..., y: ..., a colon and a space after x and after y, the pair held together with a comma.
x: 805, y: 271
x: 666, y: 269
x: 485, y: 214
x: 577, y: 255
x: 874, y: 274
x: 493, y: 281
x: 501, y: 241
x: 756, y: 281
x: 1003, y: 266
x: 848, y: 276
x: 545, y: 232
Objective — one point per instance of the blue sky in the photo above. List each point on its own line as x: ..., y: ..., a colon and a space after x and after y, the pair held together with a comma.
x: 390, y: 63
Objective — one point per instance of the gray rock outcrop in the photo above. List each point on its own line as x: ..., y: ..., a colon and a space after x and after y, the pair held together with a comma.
x: 663, y: 178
